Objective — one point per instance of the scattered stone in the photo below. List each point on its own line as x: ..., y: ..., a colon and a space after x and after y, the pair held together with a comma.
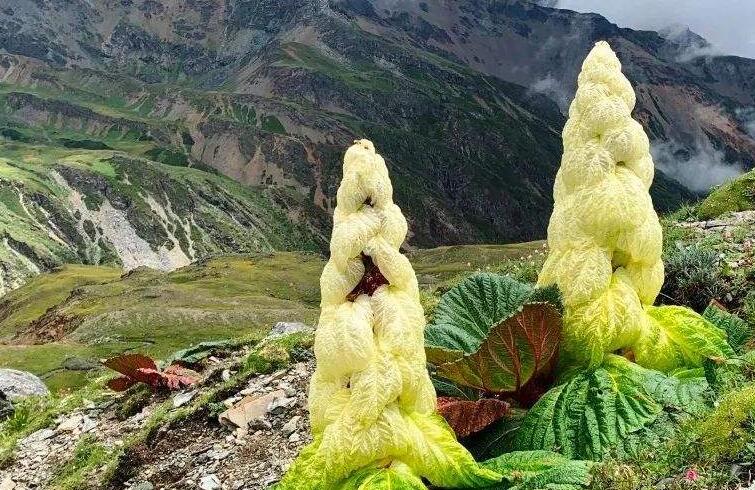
x: 183, y: 398
x: 71, y: 424
x: 41, y: 435
x: 282, y: 329
x: 19, y: 384
x: 291, y: 426
x: 144, y: 485
x: 251, y: 410
x: 226, y: 374
x: 280, y: 405
x: 88, y: 424
x: 295, y: 437
x: 209, y: 482
x: 7, y: 484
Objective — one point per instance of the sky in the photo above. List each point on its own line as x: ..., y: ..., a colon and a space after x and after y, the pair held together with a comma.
x: 727, y: 24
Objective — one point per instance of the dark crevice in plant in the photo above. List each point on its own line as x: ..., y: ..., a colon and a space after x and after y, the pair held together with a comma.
x: 371, y: 280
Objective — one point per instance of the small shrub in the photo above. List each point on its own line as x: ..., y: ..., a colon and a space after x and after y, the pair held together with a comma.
x: 693, y: 276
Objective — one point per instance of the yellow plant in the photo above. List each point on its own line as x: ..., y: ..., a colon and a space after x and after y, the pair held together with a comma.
x: 605, y: 239
x: 371, y: 401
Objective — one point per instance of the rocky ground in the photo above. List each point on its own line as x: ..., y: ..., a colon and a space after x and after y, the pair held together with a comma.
x: 244, y: 439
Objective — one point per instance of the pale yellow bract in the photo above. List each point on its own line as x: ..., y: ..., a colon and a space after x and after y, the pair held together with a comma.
x: 604, y: 236
x: 371, y: 400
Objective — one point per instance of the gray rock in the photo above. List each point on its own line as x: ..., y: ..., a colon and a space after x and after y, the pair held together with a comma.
x: 290, y: 426
x: 209, y: 482
x: 20, y: 384
x: 6, y: 407
x: 144, y: 485
x: 281, y: 329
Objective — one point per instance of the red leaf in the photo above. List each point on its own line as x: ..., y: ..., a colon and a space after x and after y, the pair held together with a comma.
x: 130, y: 364
x: 516, y: 359
x: 176, y: 377
x: 121, y: 383
x: 467, y: 417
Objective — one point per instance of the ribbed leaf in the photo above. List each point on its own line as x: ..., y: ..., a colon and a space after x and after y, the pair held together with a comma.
x: 382, y: 479
x: 467, y: 417
x: 514, y: 352
x: 534, y: 470
x: 489, y: 334
x: 738, y: 332
x: 591, y: 413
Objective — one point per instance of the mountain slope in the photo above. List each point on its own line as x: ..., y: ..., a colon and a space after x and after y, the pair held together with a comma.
x: 270, y: 93
x: 60, y: 205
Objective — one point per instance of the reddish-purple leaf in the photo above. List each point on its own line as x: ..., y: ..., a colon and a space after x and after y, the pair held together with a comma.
x: 517, y: 355
x: 130, y: 364
x: 467, y: 417
x: 121, y: 383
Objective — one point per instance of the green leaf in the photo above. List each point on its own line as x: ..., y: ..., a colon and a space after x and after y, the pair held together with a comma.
x: 535, y: 470
x: 591, y: 413
x: 679, y: 337
x: 445, y: 462
x: 198, y: 352
x: 489, y: 334
x: 399, y: 478
x: 738, y: 332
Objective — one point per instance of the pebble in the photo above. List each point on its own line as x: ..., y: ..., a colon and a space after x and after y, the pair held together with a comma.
x: 209, y: 482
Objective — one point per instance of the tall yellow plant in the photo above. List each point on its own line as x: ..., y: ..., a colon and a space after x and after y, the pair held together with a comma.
x: 605, y: 239
x: 371, y: 401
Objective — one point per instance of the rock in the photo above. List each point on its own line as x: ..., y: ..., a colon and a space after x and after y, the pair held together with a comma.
x: 282, y: 329
x: 280, y: 405
x: 183, y: 398
x: 290, y: 426
x: 6, y: 407
x: 251, y: 410
x: 144, y: 485
x: 41, y: 435
x: 88, y: 424
x: 71, y: 424
x: 19, y: 384
x: 209, y: 482
x: 79, y: 364
x: 295, y: 437
x: 7, y: 484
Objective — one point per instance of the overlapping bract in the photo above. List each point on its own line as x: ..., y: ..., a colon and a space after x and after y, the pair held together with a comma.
x: 371, y: 401
x: 605, y: 238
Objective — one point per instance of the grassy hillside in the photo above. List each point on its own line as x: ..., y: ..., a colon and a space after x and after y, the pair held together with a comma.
x: 733, y: 196
x: 72, y: 205
x: 61, y: 323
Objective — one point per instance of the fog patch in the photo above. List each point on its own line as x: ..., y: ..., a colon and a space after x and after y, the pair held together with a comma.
x: 746, y: 117
x: 698, y: 169
x: 552, y: 88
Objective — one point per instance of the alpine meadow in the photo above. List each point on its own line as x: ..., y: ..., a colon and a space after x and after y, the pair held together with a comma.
x: 376, y: 245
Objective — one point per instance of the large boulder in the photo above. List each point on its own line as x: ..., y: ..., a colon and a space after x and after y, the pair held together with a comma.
x: 20, y: 384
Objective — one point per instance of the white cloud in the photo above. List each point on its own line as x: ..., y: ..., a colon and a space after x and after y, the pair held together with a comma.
x: 727, y: 24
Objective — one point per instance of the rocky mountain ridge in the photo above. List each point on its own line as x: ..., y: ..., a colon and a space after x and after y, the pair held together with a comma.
x: 270, y: 93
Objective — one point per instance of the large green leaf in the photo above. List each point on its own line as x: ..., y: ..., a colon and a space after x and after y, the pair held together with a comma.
x: 738, y: 332
x: 383, y: 479
x: 679, y: 337
x: 536, y: 470
x: 494, y: 333
x: 591, y: 413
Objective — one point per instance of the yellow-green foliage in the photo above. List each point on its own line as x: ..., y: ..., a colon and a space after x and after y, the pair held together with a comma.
x: 722, y: 433
x: 605, y: 238
x: 371, y: 401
